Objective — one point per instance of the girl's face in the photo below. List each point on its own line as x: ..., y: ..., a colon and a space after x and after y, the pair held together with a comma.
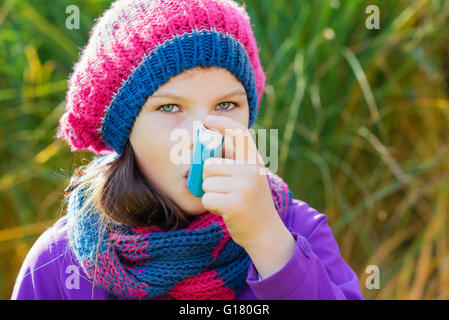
x: 188, y: 97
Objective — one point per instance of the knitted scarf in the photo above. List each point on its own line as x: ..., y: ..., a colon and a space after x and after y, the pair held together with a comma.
x: 199, y: 262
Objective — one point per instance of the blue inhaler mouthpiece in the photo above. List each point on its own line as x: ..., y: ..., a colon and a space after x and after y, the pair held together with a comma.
x: 207, y: 144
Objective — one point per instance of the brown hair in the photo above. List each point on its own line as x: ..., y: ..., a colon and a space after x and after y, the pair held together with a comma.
x: 123, y: 194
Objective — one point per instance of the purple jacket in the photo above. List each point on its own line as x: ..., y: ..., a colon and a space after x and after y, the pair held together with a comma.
x: 315, y: 271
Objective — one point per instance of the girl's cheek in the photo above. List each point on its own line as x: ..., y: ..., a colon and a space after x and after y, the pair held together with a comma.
x: 172, y: 127
x: 166, y: 121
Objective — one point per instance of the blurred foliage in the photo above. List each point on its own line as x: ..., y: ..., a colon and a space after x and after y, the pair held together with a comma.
x: 362, y: 116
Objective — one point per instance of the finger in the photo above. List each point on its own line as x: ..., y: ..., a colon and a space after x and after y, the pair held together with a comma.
x: 228, y: 150
x: 239, y: 149
x: 219, y: 184
x: 215, y: 202
x: 234, y: 133
x: 221, y: 167
x: 223, y: 124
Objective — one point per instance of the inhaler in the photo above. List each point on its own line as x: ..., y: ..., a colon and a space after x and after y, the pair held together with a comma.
x: 207, y: 144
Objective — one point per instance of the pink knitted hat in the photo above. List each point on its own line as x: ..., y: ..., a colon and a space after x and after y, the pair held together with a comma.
x: 138, y: 45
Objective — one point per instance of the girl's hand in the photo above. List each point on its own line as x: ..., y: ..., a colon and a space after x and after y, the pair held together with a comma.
x: 237, y: 188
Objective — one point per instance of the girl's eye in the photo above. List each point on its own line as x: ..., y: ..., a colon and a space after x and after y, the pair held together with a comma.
x: 172, y: 108
x: 169, y: 109
x: 227, y: 105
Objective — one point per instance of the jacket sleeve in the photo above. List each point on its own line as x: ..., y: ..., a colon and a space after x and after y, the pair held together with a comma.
x: 316, y: 269
x: 38, y: 278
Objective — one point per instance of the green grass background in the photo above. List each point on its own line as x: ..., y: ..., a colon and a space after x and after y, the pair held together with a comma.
x: 363, y: 118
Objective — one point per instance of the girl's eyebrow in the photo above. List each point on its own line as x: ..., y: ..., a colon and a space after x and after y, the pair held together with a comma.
x: 237, y: 92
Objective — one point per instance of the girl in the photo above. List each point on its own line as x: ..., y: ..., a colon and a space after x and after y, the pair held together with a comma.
x: 133, y: 230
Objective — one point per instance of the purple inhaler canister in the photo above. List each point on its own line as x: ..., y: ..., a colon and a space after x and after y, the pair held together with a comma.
x: 207, y: 144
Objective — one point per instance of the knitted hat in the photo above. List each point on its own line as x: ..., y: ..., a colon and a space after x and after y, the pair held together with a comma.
x: 137, y: 46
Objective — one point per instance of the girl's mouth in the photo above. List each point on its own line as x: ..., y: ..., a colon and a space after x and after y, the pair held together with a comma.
x: 184, y: 179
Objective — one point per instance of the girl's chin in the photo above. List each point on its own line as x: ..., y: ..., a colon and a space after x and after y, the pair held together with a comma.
x: 193, y: 206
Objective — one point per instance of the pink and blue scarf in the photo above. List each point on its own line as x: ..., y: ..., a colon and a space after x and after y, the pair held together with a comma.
x: 199, y: 262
